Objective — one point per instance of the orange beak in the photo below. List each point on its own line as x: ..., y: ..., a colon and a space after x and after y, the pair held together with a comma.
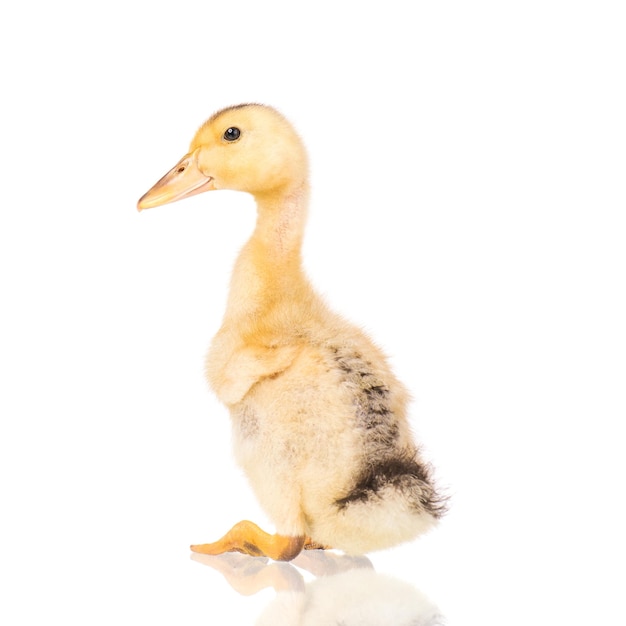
x: 182, y: 181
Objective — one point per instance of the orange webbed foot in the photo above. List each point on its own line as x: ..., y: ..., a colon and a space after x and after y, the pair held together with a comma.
x: 247, y: 538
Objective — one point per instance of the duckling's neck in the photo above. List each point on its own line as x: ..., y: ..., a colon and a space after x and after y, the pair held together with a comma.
x: 269, y: 268
x: 281, y: 217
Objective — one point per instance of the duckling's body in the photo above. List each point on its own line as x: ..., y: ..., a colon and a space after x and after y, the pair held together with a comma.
x: 319, y: 419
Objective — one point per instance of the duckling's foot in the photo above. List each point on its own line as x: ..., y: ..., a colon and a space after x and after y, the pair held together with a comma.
x: 309, y: 544
x: 248, y: 538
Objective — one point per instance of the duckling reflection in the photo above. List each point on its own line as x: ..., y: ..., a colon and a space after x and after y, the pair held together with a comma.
x: 346, y: 591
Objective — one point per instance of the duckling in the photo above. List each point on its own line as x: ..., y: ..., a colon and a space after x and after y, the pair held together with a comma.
x: 319, y: 419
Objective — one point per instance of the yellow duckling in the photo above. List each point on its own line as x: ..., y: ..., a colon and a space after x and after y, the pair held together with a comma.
x: 319, y: 419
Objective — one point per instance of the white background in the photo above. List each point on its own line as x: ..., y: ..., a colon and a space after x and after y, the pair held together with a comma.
x: 468, y: 209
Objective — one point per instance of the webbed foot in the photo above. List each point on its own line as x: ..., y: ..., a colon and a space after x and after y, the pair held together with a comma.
x: 247, y: 538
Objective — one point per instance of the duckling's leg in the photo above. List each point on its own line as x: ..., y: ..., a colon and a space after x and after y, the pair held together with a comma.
x: 248, y: 538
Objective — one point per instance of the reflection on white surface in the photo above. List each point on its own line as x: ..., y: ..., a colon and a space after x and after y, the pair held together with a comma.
x: 346, y: 591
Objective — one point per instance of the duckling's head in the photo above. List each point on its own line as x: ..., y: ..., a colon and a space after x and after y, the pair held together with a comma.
x: 249, y: 147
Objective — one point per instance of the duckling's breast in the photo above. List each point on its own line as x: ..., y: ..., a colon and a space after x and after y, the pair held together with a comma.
x: 301, y: 416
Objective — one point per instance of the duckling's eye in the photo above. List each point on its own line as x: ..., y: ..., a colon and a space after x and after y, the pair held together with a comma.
x: 232, y: 134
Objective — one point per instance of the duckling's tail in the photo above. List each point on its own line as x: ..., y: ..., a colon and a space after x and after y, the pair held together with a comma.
x: 393, y: 501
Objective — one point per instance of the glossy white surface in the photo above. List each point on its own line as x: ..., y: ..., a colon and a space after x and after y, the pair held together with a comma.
x: 468, y: 210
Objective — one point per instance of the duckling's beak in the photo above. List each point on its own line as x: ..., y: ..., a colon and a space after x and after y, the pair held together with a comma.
x: 184, y: 180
